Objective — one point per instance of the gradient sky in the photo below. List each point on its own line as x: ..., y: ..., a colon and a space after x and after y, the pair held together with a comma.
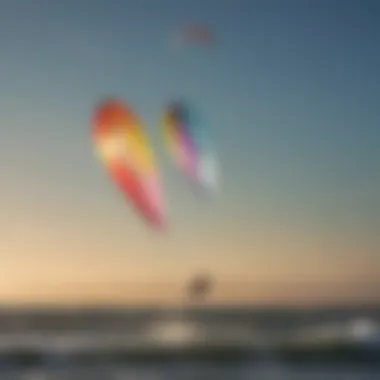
x: 290, y: 92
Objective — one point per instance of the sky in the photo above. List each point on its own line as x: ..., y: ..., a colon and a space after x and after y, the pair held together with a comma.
x: 290, y: 93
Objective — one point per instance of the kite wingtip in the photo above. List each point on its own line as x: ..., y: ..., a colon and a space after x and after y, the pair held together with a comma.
x: 160, y: 223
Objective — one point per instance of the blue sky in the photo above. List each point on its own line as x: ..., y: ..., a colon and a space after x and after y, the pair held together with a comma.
x: 290, y: 92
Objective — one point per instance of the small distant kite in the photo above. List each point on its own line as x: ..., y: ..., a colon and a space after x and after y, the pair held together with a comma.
x: 190, y: 146
x: 198, y: 34
x: 194, y: 34
x: 122, y: 145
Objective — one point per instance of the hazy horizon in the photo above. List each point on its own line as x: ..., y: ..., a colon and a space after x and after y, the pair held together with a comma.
x: 227, y: 292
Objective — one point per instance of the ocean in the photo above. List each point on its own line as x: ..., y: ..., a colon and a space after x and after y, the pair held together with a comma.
x: 190, y: 344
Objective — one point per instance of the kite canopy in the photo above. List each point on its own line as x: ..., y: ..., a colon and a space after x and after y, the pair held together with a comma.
x: 124, y: 149
x: 190, y: 146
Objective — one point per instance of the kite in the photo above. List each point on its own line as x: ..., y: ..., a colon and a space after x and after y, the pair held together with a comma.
x: 190, y: 146
x: 123, y: 147
x: 194, y: 34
